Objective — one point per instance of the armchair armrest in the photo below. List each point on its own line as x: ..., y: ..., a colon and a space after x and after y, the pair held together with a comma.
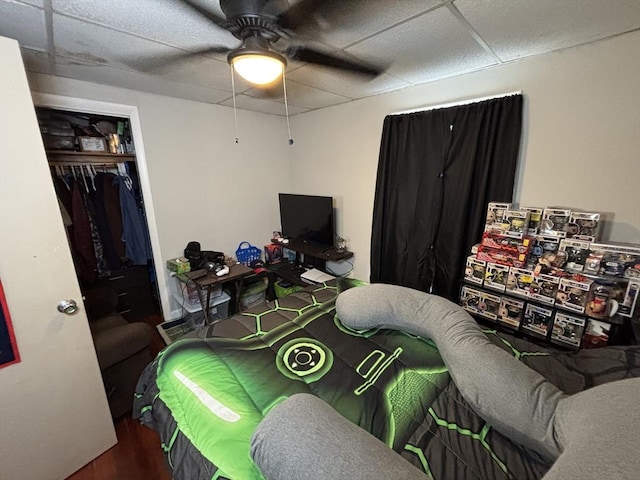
x: 119, y: 343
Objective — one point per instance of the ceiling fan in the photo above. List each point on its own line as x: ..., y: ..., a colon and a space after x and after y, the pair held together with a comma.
x: 267, y: 31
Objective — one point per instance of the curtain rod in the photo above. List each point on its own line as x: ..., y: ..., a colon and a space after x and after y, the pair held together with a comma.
x: 455, y: 104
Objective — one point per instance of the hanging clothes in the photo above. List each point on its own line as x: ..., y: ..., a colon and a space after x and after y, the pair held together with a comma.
x: 102, y: 224
x: 82, y: 235
x: 134, y: 232
x: 102, y: 265
x: 108, y: 229
x: 111, y: 200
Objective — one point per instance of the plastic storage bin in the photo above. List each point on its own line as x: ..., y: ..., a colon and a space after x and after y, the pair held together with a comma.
x: 174, y: 329
x: 218, y: 308
x: 186, y: 292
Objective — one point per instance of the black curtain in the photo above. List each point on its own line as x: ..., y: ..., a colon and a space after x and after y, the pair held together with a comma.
x: 437, y: 171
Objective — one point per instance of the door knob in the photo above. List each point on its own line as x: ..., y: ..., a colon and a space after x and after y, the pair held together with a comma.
x: 68, y: 306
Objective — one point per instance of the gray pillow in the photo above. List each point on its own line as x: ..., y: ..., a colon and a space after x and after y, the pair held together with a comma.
x: 591, y: 434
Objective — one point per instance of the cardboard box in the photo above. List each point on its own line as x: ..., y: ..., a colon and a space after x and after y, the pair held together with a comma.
x: 519, y: 281
x: 516, y: 223
x: 575, y: 253
x: 495, y: 212
x: 628, y: 305
x: 507, y: 243
x: 272, y: 254
x: 572, y: 294
x: 489, y: 306
x: 511, y: 311
x: 537, y: 320
x: 567, y: 329
x: 470, y: 299
x: 474, y: 271
x: 554, y: 221
x: 596, y: 334
x: 614, y: 260
x: 544, y: 288
x: 501, y: 256
x: 496, y: 276
x: 535, y: 216
x: 584, y: 226
x: 179, y: 265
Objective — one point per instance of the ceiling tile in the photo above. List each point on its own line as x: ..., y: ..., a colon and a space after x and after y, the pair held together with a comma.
x: 36, y: 3
x: 344, y: 83
x: 519, y: 28
x: 299, y: 95
x: 348, y: 22
x: 246, y: 102
x: 35, y: 61
x: 429, y: 47
x: 96, y: 73
x: 101, y: 46
x: 166, y: 21
x: 24, y: 23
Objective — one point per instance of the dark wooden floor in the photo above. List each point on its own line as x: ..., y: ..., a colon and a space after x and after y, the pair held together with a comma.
x: 138, y: 455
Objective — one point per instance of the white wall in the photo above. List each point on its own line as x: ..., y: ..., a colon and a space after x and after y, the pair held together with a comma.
x: 581, y: 137
x: 204, y: 186
x: 581, y: 144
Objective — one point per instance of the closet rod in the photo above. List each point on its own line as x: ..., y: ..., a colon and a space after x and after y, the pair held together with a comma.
x: 60, y: 163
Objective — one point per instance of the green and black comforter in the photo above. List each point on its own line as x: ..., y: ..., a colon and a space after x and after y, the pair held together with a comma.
x: 206, y: 393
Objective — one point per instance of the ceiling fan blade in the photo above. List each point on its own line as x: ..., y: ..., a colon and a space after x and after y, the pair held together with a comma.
x: 158, y: 63
x: 310, y: 55
x: 209, y: 15
x: 300, y: 14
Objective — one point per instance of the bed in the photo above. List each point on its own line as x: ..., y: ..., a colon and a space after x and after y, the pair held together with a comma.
x: 206, y: 393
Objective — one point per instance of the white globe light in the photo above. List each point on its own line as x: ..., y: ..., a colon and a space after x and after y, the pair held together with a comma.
x: 258, y: 69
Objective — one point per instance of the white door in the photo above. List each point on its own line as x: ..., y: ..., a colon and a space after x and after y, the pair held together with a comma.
x: 54, y: 415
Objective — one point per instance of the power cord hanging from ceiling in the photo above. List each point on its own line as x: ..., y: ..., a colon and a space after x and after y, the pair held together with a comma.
x: 233, y: 90
x: 286, y: 106
x: 235, y: 113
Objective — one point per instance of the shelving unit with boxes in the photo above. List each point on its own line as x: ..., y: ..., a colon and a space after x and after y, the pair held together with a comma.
x: 544, y: 272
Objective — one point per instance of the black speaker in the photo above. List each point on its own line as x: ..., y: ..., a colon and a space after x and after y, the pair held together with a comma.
x: 209, y: 256
x: 200, y: 258
x: 193, y: 253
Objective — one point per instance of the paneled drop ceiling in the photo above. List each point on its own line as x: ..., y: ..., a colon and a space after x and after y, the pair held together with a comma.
x: 124, y: 43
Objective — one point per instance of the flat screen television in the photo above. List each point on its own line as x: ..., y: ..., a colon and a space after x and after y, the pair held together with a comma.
x: 307, y: 218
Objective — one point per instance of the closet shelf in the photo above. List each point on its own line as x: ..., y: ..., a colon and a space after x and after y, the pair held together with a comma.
x: 59, y: 157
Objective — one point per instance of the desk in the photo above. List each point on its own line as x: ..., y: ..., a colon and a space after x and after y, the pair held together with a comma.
x: 286, y: 271
x: 205, y: 281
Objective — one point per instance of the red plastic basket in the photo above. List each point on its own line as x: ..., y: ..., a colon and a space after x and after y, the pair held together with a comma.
x: 247, y: 253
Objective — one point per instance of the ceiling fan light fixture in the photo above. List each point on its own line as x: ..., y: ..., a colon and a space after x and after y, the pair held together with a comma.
x: 258, y: 68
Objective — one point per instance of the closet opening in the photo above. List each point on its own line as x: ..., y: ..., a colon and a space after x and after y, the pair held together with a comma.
x: 93, y: 167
